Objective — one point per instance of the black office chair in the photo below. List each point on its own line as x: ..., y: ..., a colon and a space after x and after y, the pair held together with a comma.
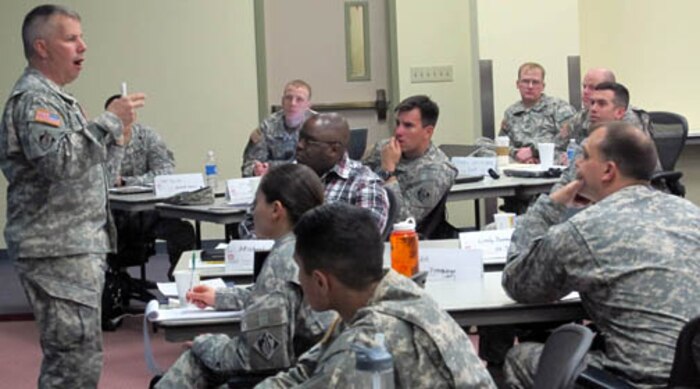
x: 135, y: 246
x: 393, y: 213
x: 358, y: 143
x: 685, y: 372
x: 670, y: 131
x: 435, y: 225
x: 562, y: 357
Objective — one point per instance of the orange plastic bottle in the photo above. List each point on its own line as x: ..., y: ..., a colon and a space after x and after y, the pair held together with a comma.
x: 404, y: 248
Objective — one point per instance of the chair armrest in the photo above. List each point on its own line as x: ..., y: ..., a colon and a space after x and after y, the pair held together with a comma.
x: 594, y: 377
x: 668, y: 176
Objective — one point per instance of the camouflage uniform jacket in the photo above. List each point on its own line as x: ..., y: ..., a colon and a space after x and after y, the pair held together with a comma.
x: 633, y: 257
x: 429, y: 348
x: 54, y: 162
x: 145, y: 157
x: 538, y: 124
x: 277, y: 322
x: 577, y: 128
x: 277, y: 144
x: 420, y: 183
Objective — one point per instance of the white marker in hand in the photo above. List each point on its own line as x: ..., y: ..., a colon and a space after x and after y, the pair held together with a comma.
x: 123, y: 88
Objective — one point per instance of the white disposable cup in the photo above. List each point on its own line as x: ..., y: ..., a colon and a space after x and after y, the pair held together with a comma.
x: 546, y: 154
x: 504, y: 220
x: 184, y: 280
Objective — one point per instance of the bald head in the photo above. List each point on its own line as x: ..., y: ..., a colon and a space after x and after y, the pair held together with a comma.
x: 323, y: 140
x: 333, y: 125
x: 592, y: 78
x: 632, y: 150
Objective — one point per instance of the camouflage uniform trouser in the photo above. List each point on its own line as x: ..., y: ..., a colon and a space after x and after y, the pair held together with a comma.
x: 189, y: 372
x: 521, y: 364
x: 65, y: 294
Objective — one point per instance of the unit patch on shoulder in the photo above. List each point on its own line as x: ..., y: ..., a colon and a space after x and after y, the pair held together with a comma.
x: 45, y: 116
x: 266, y: 344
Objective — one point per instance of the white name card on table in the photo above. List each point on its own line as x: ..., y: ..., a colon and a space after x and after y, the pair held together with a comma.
x: 171, y: 184
x: 475, y: 166
x: 240, y: 254
x: 493, y: 243
x: 451, y: 264
x: 241, y: 191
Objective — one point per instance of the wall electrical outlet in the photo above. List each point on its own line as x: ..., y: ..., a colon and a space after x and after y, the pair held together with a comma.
x: 441, y: 73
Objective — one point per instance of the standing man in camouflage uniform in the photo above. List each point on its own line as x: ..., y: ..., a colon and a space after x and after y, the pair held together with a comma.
x: 632, y: 256
x: 339, y: 254
x: 577, y: 127
x: 536, y: 118
x: 418, y: 172
x: 275, y: 141
x: 145, y: 156
x: 58, y: 225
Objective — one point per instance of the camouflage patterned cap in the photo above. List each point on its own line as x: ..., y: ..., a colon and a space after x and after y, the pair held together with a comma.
x: 203, y: 196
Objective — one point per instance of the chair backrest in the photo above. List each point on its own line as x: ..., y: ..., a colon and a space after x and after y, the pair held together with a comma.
x: 434, y: 222
x: 562, y: 357
x: 670, y: 130
x: 685, y: 372
x: 455, y: 150
x: 358, y: 143
x: 393, y: 213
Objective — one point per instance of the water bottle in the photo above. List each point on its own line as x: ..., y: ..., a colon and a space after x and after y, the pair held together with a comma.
x: 374, y: 366
x: 404, y: 247
x: 571, y: 150
x: 210, y: 171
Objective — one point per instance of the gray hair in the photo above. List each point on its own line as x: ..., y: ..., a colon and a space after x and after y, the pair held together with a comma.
x: 34, y: 25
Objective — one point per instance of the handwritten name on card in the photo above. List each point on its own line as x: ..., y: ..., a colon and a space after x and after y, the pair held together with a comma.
x: 240, y: 254
x: 494, y: 244
x: 475, y: 166
x: 241, y: 191
x: 451, y: 264
x: 171, y: 184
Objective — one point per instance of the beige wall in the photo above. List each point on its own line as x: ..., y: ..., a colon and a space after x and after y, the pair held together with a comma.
x: 195, y: 61
x: 430, y: 35
x: 510, y: 33
x: 653, y: 48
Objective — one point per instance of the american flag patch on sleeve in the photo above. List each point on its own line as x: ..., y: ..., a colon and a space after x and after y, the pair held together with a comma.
x: 47, y: 117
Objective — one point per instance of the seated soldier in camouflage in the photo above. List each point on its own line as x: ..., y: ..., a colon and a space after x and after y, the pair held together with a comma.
x: 577, y: 127
x: 631, y: 255
x: 339, y: 254
x: 275, y: 141
x: 418, y: 172
x: 277, y: 325
x: 536, y: 118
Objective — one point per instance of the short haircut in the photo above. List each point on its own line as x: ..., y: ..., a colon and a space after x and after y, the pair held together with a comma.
x: 35, y: 21
x: 530, y: 66
x: 298, y: 84
x: 429, y: 110
x: 343, y: 240
x: 110, y: 99
x: 632, y: 150
x: 621, y: 96
x: 296, y: 186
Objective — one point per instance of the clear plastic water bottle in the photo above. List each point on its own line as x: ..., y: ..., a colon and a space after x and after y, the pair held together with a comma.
x: 210, y: 171
x: 571, y: 150
x: 375, y: 365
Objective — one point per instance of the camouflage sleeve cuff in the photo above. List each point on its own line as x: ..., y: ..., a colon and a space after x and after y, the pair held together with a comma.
x: 551, y: 213
x: 230, y: 299
x: 109, y: 123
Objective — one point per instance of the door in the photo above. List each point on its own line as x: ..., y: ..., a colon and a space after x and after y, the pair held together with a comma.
x: 305, y: 39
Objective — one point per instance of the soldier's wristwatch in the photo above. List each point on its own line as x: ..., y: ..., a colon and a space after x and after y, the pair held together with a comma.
x: 385, y: 175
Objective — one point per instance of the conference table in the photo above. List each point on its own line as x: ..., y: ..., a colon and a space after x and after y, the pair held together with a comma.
x: 476, y: 303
